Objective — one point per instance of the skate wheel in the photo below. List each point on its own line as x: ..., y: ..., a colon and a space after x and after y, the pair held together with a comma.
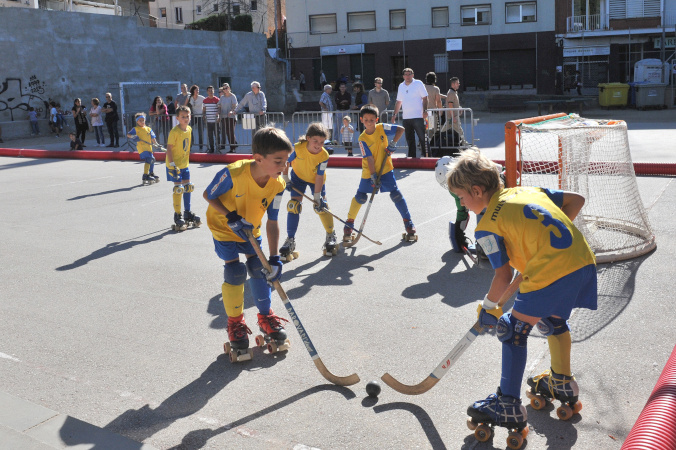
x: 577, y: 408
x: 483, y: 433
x: 283, y: 346
x: 260, y: 340
x: 564, y: 412
x: 514, y: 440
x: 324, y: 252
x: 233, y: 356
x: 272, y: 347
x: 403, y: 237
x: 226, y: 347
x: 537, y: 401
x: 471, y: 424
x: 334, y: 252
x: 173, y: 227
x: 295, y: 255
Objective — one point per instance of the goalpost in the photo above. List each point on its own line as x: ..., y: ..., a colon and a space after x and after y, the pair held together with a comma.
x: 137, y: 96
x: 592, y: 158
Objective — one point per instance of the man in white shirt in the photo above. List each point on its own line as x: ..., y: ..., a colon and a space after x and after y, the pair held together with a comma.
x: 412, y: 97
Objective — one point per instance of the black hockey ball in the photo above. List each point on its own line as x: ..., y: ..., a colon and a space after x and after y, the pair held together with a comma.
x: 373, y: 388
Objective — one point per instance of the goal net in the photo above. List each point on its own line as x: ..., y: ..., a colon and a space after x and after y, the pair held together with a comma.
x: 137, y: 96
x: 592, y: 158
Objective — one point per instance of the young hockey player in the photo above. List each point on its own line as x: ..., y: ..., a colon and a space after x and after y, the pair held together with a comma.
x: 238, y: 197
x: 529, y: 229
x: 144, y: 136
x: 377, y: 143
x: 308, y: 160
x: 177, y: 162
x: 456, y: 230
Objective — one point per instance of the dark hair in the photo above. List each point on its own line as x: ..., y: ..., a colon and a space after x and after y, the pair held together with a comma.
x: 431, y: 78
x: 369, y: 109
x: 210, y: 87
x: 155, y: 102
x: 315, y: 129
x: 95, y: 101
x: 269, y: 140
x: 77, y: 100
x: 454, y: 79
x: 358, y: 86
x: 182, y: 108
x: 192, y: 89
x: 170, y: 98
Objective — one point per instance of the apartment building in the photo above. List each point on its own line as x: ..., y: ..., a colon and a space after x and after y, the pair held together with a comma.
x: 489, y: 45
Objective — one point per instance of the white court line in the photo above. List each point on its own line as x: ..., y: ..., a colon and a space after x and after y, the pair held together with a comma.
x: 648, y: 208
x: 6, y: 356
x: 79, y: 181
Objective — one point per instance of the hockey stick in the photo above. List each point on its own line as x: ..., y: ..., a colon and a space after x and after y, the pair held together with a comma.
x: 368, y: 207
x: 335, y: 216
x: 151, y: 144
x: 339, y: 381
x: 450, y: 359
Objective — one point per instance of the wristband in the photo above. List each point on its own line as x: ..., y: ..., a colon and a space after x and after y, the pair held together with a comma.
x: 487, y: 304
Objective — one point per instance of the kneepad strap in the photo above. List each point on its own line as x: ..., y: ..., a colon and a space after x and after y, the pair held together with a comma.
x: 294, y: 206
x: 512, y: 331
x: 234, y: 273
x: 254, y: 267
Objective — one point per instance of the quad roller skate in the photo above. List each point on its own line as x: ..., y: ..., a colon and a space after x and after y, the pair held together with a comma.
x: 191, y: 219
x: 550, y: 385
x: 410, y: 235
x: 274, y: 334
x: 502, y: 411
x: 179, y: 224
x: 287, y: 251
x: 238, y: 335
x: 154, y: 178
x: 146, y: 180
x: 330, y: 247
x: 348, y: 235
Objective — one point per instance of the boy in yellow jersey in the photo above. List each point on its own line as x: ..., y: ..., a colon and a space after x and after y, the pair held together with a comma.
x: 177, y: 161
x: 377, y: 143
x: 145, y: 137
x: 529, y: 229
x: 308, y: 160
x: 238, y: 197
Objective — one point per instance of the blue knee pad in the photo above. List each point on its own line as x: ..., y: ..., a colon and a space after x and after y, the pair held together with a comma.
x: 552, y: 326
x: 513, y: 334
x: 400, y: 204
x: 396, y: 196
x: 150, y: 160
x: 260, y: 290
x: 512, y: 331
x: 234, y: 273
x: 360, y: 197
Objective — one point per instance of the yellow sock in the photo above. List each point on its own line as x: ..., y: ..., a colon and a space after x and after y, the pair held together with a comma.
x: 327, y: 221
x: 177, y: 203
x: 233, y: 299
x: 146, y: 168
x: 559, y: 347
x: 355, y: 206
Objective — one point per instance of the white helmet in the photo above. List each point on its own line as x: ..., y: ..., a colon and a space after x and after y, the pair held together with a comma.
x: 441, y: 170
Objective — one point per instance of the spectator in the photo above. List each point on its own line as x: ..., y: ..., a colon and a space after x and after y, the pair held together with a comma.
x: 210, y: 111
x: 97, y: 122
x: 453, y: 120
x: 412, y: 97
x: 257, y: 105
x: 227, y: 106
x: 347, y: 134
x: 33, y: 117
x: 160, y: 117
x: 302, y: 80
x: 182, y: 98
x: 322, y: 78
x: 195, y: 104
x: 110, y: 108
x: 60, y: 117
x: 75, y: 143
x: 327, y: 106
x: 343, y: 99
x: 80, y: 119
x: 171, y: 111
x: 433, y: 101
x: 53, y: 120
x: 360, y: 99
x: 379, y: 96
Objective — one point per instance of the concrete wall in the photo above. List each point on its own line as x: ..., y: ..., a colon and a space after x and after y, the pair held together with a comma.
x: 63, y: 55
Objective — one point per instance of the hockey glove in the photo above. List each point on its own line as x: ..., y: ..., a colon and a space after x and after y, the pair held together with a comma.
x: 238, y: 225
x: 289, y: 184
x: 458, y: 238
x: 275, y: 272
x: 375, y: 182
x: 488, y: 313
x: 391, y: 148
x: 320, y: 204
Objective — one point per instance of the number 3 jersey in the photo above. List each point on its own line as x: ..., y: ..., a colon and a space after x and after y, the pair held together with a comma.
x: 526, y: 228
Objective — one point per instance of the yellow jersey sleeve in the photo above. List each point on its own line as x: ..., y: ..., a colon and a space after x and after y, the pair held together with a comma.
x: 180, y: 141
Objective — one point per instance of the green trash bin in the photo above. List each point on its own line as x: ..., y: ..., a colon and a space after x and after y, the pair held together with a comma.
x: 613, y: 94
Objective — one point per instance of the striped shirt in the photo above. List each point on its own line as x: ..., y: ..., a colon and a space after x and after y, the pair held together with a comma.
x: 211, y: 108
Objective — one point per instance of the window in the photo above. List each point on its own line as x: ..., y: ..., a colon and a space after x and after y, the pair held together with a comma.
x: 361, y: 21
x: 215, y: 7
x: 520, y: 12
x: 440, y: 17
x: 235, y: 9
x: 626, y: 9
x: 321, y: 24
x: 476, y: 15
x: 163, y: 12
x: 198, y: 9
x: 254, y: 5
x: 179, y: 14
x: 397, y: 19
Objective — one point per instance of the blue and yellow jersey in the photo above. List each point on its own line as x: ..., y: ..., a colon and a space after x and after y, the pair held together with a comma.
x: 526, y: 228
x: 144, y: 134
x: 375, y: 145
x: 306, y: 165
x: 180, y: 142
x: 238, y: 191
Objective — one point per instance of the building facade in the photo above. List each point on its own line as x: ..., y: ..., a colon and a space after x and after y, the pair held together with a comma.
x: 493, y: 45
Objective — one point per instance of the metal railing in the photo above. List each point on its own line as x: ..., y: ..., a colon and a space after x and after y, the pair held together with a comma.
x: 589, y: 22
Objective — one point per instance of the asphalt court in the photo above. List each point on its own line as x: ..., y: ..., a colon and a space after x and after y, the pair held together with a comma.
x: 110, y: 317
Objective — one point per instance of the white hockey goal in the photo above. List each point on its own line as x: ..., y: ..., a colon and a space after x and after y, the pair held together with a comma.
x: 590, y: 157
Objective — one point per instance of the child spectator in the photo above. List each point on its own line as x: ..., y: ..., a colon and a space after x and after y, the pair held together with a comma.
x: 97, y: 122
x: 33, y: 117
x: 210, y: 112
x: 75, y: 143
x: 53, y: 119
x: 347, y: 134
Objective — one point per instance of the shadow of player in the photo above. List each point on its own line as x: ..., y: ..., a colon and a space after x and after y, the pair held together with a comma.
x: 423, y: 418
x: 112, y: 191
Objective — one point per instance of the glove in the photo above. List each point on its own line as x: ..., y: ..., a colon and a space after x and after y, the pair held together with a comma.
x: 239, y: 225
x: 375, y: 182
x: 173, y: 170
x: 289, y: 184
x: 320, y: 204
x: 275, y: 272
x: 391, y: 148
x: 488, y: 313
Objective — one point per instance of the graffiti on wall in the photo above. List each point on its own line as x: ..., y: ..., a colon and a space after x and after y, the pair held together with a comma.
x: 15, y: 97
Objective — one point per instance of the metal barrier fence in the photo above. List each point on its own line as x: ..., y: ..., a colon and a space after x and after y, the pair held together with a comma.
x: 226, y: 134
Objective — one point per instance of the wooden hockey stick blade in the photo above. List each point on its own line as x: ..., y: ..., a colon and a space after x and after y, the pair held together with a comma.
x: 339, y: 381
x: 450, y: 359
x: 335, y: 216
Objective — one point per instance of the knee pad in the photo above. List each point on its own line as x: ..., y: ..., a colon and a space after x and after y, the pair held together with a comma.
x: 254, y: 267
x: 512, y: 331
x: 560, y: 325
x: 396, y: 196
x: 150, y: 160
x: 234, y: 273
x: 189, y: 187
x: 178, y: 189
x: 360, y: 197
x: 294, y: 206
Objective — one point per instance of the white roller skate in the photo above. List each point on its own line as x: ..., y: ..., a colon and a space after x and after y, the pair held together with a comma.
x: 191, y: 219
x: 179, y: 224
x: 502, y: 411
x: 550, y: 385
x: 410, y: 235
x: 330, y: 247
x: 287, y: 251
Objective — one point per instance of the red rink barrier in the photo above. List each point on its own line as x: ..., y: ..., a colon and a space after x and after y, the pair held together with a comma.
x: 655, y: 428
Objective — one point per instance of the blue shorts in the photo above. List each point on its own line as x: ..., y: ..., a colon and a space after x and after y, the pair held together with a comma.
x: 183, y: 175
x: 146, y: 156
x: 575, y: 290
x: 387, y: 183
x: 302, y: 185
x: 229, y: 250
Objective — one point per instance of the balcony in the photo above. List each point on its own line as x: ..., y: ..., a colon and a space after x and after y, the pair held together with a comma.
x: 591, y: 22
